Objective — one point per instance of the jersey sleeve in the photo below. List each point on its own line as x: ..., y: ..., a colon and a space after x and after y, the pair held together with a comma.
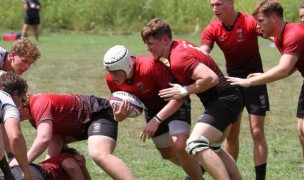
x: 207, y: 37
x: 8, y: 107
x: 10, y: 111
x: 293, y: 45
x: 41, y: 109
x: 186, y: 63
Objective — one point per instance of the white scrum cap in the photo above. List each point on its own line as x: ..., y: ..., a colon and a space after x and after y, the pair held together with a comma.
x: 118, y: 58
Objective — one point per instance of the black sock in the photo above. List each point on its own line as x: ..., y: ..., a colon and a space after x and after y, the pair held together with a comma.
x: 260, y: 172
x: 6, y: 169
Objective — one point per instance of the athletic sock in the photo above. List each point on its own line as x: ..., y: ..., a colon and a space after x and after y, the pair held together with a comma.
x: 260, y: 172
x: 6, y: 169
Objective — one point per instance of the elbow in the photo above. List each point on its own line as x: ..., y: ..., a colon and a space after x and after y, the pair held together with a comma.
x: 45, y: 141
x: 16, y: 140
x: 207, y: 83
x: 285, y: 74
x: 215, y: 81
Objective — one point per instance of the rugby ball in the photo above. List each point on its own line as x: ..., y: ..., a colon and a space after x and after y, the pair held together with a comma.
x: 118, y: 96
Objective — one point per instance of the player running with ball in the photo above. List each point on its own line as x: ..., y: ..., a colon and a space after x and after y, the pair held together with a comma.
x: 168, y: 123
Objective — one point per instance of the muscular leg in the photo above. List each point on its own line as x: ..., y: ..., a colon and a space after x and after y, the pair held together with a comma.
x: 260, y: 149
x: 36, y: 31
x: 71, y: 166
x: 231, y: 144
x: 187, y: 162
x: 101, y: 149
x: 215, y: 166
x: 169, y: 154
x: 25, y: 29
x: 301, y: 134
x: 230, y: 164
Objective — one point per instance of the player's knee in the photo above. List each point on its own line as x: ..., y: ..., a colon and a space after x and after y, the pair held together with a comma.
x: 179, y: 147
x: 96, y: 154
x: 216, y: 147
x: 166, y: 153
x: 300, y: 132
x: 69, y: 164
x: 197, y: 144
x: 257, y: 135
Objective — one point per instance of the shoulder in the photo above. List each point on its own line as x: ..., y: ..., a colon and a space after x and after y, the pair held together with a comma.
x: 40, y: 99
x: 5, y: 98
x: 215, y: 24
x: 247, y: 19
x: 294, y: 28
x: 147, y: 63
x: 294, y: 32
x: 245, y: 15
x: 3, y: 53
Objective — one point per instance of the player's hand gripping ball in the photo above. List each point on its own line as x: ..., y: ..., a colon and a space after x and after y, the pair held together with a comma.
x: 118, y: 96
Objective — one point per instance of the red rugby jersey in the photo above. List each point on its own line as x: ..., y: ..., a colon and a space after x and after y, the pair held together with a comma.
x: 149, y: 78
x: 69, y: 112
x: 293, y: 43
x: 184, y: 58
x: 52, y: 167
x: 240, y: 45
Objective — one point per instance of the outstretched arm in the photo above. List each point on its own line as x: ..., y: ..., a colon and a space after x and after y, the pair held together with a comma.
x: 150, y: 128
x: 18, y: 145
x: 42, y: 140
x: 285, y: 68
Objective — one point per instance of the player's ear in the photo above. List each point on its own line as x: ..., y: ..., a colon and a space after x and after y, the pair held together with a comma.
x: 11, y: 55
x: 273, y: 17
x: 166, y: 39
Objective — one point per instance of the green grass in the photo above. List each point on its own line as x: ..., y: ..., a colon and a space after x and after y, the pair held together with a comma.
x: 72, y: 63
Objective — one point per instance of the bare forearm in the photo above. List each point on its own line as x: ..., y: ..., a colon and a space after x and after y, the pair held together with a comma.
x: 170, y: 108
x: 269, y: 76
x: 201, y: 85
x: 18, y: 146
x: 6, y: 142
x: 37, y: 148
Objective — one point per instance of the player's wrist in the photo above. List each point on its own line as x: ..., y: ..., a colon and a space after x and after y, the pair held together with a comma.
x: 158, y: 119
x: 183, y: 91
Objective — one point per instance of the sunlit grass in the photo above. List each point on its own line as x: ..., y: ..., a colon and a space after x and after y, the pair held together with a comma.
x: 72, y: 63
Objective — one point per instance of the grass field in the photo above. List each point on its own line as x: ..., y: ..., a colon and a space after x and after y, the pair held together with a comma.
x: 72, y: 63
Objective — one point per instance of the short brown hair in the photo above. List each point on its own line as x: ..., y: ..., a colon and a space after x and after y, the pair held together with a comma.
x: 10, y: 82
x: 26, y: 100
x: 268, y: 7
x: 26, y: 48
x: 155, y: 28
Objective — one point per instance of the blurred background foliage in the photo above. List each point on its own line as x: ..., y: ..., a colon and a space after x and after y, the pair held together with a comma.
x: 124, y: 16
